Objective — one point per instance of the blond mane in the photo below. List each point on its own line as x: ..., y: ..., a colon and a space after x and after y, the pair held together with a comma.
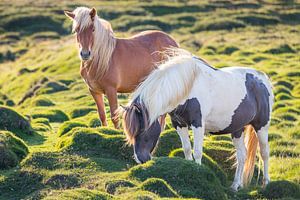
x: 169, y: 84
x: 104, y: 41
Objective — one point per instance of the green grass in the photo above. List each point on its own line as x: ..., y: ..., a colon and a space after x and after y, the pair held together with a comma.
x: 58, y: 149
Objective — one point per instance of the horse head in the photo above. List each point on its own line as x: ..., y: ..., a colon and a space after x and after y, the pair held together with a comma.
x: 139, y: 133
x: 83, y: 26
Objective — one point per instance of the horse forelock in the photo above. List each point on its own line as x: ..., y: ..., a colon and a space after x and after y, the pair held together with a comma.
x: 82, y: 19
x: 134, y: 120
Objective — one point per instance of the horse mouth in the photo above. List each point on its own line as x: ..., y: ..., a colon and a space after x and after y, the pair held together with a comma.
x: 85, y: 58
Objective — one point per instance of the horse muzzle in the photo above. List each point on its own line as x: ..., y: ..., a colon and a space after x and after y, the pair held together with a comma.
x: 85, y: 55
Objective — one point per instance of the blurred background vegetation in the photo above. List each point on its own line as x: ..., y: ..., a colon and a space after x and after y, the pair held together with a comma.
x: 51, y: 145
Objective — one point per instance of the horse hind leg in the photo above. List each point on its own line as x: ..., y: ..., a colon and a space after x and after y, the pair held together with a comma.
x: 241, y: 153
x: 185, y: 141
x: 262, y: 135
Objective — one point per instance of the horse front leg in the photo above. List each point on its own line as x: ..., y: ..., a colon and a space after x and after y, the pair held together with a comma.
x: 185, y: 141
x: 198, y: 143
x: 162, y: 122
x: 98, y: 97
x: 113, y: 104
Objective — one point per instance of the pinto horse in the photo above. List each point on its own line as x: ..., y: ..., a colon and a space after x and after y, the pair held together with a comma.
x: 232, y: 100
x: 109, y: 64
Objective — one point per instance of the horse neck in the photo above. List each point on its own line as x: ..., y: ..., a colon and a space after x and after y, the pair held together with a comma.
x: 164, y: 89
x: 103, y: 48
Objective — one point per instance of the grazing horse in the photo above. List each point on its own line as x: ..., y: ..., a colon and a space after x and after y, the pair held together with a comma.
x: 109, y: 64
x: 232, y: 100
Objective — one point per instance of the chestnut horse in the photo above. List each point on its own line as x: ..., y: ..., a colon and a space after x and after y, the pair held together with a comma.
x: 110, y: 65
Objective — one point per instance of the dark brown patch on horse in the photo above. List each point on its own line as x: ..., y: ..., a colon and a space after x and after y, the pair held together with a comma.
x: 187, y: 115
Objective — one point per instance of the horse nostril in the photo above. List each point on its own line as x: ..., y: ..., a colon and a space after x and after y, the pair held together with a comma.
x: 89, y: 53
x: 81, y: 53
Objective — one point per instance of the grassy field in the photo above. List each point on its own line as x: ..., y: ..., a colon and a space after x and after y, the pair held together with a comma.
x: 52, y: 145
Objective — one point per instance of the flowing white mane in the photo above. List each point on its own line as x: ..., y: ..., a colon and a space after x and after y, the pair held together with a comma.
x: 104, y: 40
x: 168, y: 85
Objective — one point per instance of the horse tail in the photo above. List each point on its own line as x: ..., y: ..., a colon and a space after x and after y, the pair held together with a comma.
x: 251, y: 143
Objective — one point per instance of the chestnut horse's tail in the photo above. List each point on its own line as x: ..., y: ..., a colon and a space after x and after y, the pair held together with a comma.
x: 251, y: 142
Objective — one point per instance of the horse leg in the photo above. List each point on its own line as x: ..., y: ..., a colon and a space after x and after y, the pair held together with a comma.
x: 241, y: 154
x: 262, y: 136
x: 198, y: 143
x: 113, y: 104
x: 98, y: 97
x: 162, y: 122
x: 185, y: 140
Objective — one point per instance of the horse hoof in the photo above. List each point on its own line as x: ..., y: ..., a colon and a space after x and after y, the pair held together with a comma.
x: 265, y: 182
x: 235, y: 187
x: 198, y: 161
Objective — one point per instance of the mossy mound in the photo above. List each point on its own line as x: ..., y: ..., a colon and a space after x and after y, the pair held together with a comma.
x: 52, y: 87
x: 20, y: 184
x: 221, y: 152
x: 258, y: 20
x: 281, y: 89
x: 186, y: 177
x: 207, y: 161
x: 78, y: 194
x: 4, y: 100
x: 12, y: 150
x: 139, y: 195
x: 57, y: 161
x: 220, y: 24
x: 79, y: 112
x: 42, y: 101
x: 63, y: 181
x: 68, y: 126
x: 110, y: 131
x: 283, y: 96
x: 220, y: 138
x: 159, y: 187
x: 282, y: 189
x: 94, y: 122
x: 12, y: 121
x: 112, y: 186
x: 284, y: 48
x: 168, y: 141
x: 41, y: 124
x: 90, y: 141
x: 285, y: 83
x: 228, y: 50
x: 54, y: 115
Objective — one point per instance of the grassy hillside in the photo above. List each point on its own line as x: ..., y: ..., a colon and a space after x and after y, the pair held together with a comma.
x: 52, y: 145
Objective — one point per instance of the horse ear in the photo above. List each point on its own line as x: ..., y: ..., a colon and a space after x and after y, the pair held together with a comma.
x: 93, y: 13
x: 69, y: 14
x: 137, y: 108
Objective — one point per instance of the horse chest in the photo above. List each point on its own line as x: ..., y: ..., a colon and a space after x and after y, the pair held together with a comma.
x: 93, y: 85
